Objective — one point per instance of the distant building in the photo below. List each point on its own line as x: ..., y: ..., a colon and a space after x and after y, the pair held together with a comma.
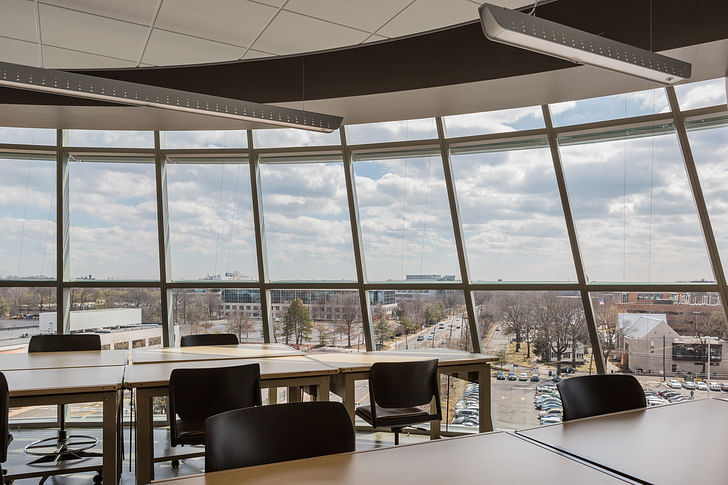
x: 119, y: 328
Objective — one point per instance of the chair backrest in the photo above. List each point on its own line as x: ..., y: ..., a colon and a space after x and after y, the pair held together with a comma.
x: 209, y: 339
x: 4, y: 427
x: 64, y: 343
x: 197, y: 394
x: 586, y: 396
x: 280, y: 432
x: 404, y: 384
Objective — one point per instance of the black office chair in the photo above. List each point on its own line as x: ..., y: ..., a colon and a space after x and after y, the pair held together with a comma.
x: 197, y: 394
x: 279, y: 432
x: 209, y: 339
x: 5, y: 436
x: 63, y: 446
x: 586, y: 396
x: 395, y: 391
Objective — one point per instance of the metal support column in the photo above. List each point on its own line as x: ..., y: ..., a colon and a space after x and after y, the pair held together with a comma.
x: 160, y: 176
x: 63, y: 295
x: 575, y: 251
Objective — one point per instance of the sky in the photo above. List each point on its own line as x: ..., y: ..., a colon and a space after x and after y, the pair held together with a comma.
x: 634, y: 215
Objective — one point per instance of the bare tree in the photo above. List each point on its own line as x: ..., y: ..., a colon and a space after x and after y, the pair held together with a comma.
x: 607, y: 320
x: 350, y: 313
x: 516, y: 316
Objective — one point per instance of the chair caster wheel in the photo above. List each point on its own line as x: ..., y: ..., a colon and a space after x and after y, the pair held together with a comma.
x: 175, y: 464
x: 98, y: 478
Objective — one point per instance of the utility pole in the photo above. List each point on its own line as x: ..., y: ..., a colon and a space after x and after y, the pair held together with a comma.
x: 664, y: 361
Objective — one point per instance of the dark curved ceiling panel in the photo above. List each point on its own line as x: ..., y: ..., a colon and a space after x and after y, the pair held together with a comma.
x: 457, y: 55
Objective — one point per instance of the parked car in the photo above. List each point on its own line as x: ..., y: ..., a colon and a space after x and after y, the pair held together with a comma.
x: 689, y: 385
x: 556, y: 378
x: 674, y: 383
x: 534, y: 377
x: 551, y: 419
x: 512, y: 376
x: 523, y: 377
x: 429, y: 337
x: 714, y: 386
x: 724, y: 386
x: 501, y: 376
x: 702, y: 386
x: 568, y: 370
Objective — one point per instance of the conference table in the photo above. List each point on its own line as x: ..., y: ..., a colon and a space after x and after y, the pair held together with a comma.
x: 354, y: 366
x: 211, y: 352
x: 484, y: 458
x: 152, y: 379
x: 672, y: 444
x: 45, y: 378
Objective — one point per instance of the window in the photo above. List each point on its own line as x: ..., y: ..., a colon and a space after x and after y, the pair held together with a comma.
x: 204, y: 139
x: 307, y: 226
x: 108, y: 139
x: 511, y: 214
x: 27, y: 136
x: 633, y: 207
x: 612, y: 107
x: 290, y: 137
x: 28, y: 217
x: 113, y: 219
x: 500, y: 121
x: 701, y: 94
x: 211, y: 220
x: 405, y: 217
x: 405, y: 130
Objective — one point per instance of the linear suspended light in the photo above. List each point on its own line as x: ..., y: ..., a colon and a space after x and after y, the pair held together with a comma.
x: 124, y: 92
x: 519, y: 29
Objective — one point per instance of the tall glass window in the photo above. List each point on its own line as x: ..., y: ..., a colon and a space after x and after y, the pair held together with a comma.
x: 306, y: 220
x: 28, y: 217
x: 511, y: 214
x: 404, y: 130
x: 113, y: 219
x: 633, y: 207
x: 610, y: 107
x: 211, y: 219
x: 405, y: 217
x: 500, y: 121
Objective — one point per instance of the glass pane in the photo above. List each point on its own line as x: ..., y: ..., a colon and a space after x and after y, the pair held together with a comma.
x: 108, y: 139
x: 126, y: 318
x: 27, y: 136
x: 204, y: 139
x: 634, y: 211
x: 25, y: 312
x: 536, y: 336
x: 663, y: 339
x: 28, y: 218
x: 512, y: 217
x: 709, y: 151
x: 318, y: 320
x: 404, y: 130
x: 292, y: 137
x: 501, y: 121
x: 307, y: 226
x: 215, y: 310
x: 211, y: 229
x: 701, y: 94
x: 113, y: 221
x: 405, y: 219
x: 610, y: 107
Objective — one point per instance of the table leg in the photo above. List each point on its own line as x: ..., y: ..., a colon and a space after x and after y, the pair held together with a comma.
x: 348, y: 397
x: 323, y: 389
x: 144, y: 437
x: 110, y: 433
x: 313, y: 392
x: 294, y: 394
x: 272, y: 395
x: 486, y: 420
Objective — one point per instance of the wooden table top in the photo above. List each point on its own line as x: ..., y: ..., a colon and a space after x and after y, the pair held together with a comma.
x: 212, y: 352
x: 70, y: 380
x: 486, y: 458
x: 157, y: 375
x: 362, y: 361
x: 672, y: 444
x: 55, y: 360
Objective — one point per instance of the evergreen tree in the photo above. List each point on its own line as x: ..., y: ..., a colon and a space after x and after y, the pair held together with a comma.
x: 297, y: 323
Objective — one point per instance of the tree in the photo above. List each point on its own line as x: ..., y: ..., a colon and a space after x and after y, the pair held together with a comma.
x: 297, y: 322
x: 607, y: 320
x: 407, y: 327
x: 560, y: 323
x: 434, y: 312
x: 515, y: 317
x: 349, y: 314
x: 382, y: 330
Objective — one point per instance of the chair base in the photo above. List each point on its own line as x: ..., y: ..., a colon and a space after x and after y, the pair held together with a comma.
x: 63, y: 447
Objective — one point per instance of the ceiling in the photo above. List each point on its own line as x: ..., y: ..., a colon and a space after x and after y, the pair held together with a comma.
x: 83, y: 34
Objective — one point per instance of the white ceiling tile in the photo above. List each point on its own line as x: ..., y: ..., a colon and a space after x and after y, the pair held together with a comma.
x: 369, y: 15
x: 233, y: 21
x: 89, y: 33
x: 290, y: 33
x: 19, y: 52
x: 18, y: 20
x: 253, y: 54
x: 138, y: 11
x: 57, y: 58
x: 169, y: 48
x: 426, y: 15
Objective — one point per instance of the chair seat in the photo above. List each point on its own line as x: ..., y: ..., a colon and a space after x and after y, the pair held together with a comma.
x: 190, y: 433
x: 394, y: 416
